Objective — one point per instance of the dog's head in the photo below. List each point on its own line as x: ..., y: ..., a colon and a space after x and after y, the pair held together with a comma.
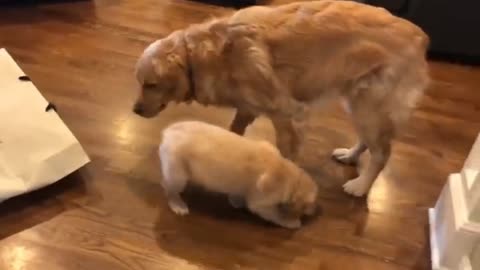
x: 162, y: 74
x: 164, y: 70
x: 302, y: 200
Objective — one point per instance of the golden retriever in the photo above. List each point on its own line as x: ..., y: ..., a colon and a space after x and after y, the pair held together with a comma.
x: 246, y: 170
x: 280, y: 61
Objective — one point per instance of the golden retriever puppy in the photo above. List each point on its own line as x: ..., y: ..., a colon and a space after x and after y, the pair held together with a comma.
x: 247, y: 170
x: 281, y: 61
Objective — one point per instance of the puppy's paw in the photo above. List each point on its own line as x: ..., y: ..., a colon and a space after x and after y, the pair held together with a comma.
x: 236, y: 202
x: 178, y: 207
x: 357, y: 187
x: 345, y: 156
x: 291, y: 224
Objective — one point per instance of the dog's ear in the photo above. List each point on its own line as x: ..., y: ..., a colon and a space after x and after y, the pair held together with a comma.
x: 219, y: 28
x: 169, y: 53
x: 158, y: 66
x: 201, y: 44
x: 228, y: 34
x: 173, y: 42
x: 233, y: 30
x: 176, y: 54
x: 215, y: 38
x: 176, y: 59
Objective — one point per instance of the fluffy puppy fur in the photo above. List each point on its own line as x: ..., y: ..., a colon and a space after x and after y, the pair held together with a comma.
x: 247, y: 170
x: 280, y: 61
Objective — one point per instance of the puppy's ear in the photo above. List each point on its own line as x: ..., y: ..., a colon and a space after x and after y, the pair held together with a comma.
x: 272, y: 179
x: 265, y: 183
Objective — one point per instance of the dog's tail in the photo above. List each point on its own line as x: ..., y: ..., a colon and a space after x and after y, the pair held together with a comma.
x: 407, y: 94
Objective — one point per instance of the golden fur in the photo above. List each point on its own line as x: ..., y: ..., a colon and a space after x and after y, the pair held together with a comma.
x: 222, y: 161
x: 280, y: 61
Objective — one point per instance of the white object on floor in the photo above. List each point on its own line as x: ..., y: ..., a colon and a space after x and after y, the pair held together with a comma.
x: 36, y: 147
x: 455, y: 220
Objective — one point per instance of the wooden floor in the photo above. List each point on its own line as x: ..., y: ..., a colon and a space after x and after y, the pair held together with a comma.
x: 112, y: 214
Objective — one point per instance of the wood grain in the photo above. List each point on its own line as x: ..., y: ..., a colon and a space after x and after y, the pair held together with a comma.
x: 112, y: 214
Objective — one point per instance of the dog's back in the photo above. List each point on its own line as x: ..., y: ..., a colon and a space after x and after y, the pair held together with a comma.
x: 332, y: 25
x: 320, y: 47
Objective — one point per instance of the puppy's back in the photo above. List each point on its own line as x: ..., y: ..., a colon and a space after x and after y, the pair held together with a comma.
x: 216, y: 158
x: 195, y: 133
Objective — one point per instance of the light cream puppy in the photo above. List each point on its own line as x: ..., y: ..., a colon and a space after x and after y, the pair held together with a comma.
x: 247, y: 170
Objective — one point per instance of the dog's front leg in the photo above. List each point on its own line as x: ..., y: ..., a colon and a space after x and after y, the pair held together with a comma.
x: 289, y: 136
x: 288, y: 121
x: 241, y: 121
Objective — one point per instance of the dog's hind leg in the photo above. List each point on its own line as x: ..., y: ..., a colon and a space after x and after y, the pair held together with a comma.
x: 375, y: 129
x: 175, y: 178
x: 380, y: 153
x: 378, y: 110
x: 349, y: 156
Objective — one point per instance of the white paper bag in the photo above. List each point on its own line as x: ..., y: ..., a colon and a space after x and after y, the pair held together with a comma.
x: 36, y: 147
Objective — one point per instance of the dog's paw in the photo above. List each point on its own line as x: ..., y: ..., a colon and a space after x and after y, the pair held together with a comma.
x: 357, y: 187
x: 236, y: 202
x: 345, y: 156
x: 178, y: 207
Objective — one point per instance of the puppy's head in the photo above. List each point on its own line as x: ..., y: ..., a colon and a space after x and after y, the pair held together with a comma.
x: 299, y: 191
x: 303, y: 193
x: 162, y: 74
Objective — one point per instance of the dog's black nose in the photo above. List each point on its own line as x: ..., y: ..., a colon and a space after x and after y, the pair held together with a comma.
x: 138, y: 109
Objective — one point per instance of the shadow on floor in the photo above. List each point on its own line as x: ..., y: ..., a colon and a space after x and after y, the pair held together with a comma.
x: 25, y: 211
x: 223, y: 249
x: 253, y: 244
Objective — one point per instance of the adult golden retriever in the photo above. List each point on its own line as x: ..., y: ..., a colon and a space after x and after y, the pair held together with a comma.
x: 280, y: 61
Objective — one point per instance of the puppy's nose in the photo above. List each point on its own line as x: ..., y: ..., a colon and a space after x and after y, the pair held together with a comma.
x: 138, y: 109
